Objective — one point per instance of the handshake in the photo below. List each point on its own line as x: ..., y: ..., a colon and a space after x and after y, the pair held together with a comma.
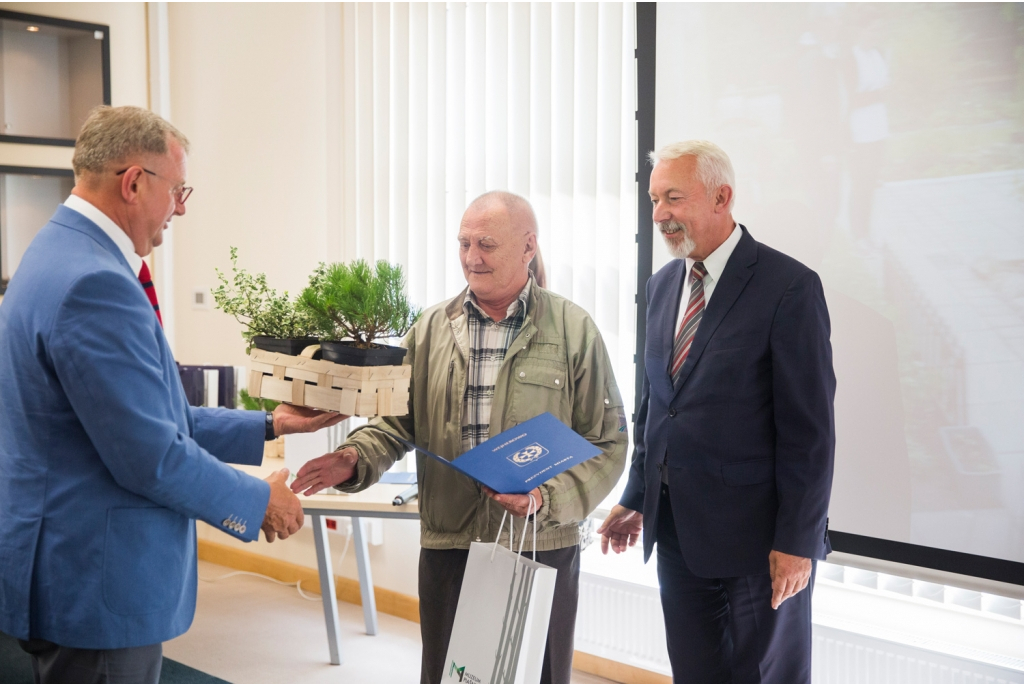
x: 284, y: 515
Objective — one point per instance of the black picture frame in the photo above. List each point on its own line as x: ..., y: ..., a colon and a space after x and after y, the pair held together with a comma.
x: 67, y: 24
x: 989, y: 568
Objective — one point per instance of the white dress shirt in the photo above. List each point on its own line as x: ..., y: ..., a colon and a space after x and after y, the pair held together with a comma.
x: 714, y: 264
x: 107, y: 225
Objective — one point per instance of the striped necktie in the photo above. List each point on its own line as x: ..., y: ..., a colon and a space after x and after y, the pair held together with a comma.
x: 147, y: 284
x: 688, y: 328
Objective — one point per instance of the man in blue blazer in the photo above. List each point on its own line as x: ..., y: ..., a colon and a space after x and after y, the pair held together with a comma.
x: 735, y: 435
x: 103, y: 465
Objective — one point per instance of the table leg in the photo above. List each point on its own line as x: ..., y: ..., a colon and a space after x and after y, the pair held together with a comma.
x: 327, y: 590
x: 365, y: 577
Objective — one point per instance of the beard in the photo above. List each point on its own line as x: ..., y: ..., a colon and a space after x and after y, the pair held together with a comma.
x: 670, y: 231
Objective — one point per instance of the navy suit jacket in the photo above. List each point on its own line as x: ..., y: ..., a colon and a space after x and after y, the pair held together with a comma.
x: 103, y: 465
x: 749, y: 436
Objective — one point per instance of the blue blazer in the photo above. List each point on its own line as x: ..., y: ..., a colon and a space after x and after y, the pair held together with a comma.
x: 103, y: 465
x: 749, y: 436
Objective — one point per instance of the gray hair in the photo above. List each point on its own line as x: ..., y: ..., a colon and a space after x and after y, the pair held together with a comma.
x: 518, y: 207
x: 113, y: 134
x: 714, y: 169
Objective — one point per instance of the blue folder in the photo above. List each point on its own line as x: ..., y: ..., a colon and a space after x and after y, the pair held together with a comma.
x: 521, y: 458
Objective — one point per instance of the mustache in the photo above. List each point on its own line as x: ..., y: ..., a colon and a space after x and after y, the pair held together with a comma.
x: 670, y: 227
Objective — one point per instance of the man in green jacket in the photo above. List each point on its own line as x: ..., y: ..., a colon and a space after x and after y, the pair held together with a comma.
x: 501, y: 352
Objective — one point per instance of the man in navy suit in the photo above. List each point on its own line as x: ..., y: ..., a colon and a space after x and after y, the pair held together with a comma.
x: 735, y: 435
x: 103, y: 465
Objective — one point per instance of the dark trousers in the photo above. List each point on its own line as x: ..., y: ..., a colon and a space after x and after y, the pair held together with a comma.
x: 55, y: 664
x: 722, y: 630
x: 441, y: 572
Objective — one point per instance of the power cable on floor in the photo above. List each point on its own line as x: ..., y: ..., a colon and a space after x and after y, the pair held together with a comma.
x: 297, y: 584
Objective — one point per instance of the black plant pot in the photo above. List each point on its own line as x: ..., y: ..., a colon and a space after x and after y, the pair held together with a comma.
x: 348, y: 354
x: 292, y: 346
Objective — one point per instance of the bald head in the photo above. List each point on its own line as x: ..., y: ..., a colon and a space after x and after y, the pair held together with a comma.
x: 516, y: 207
x: 497, y: 241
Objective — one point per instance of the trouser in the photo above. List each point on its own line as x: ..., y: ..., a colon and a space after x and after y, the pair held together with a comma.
x: 722, y: 630
x: 441, y: 572
x: 56, y: 664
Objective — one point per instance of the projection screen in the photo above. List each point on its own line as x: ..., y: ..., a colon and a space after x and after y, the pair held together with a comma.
x: 883, y: 146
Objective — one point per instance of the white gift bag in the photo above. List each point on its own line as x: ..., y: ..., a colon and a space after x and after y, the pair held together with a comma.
x: 501, y: 622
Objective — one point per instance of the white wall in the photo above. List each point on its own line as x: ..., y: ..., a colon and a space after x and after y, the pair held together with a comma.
x: 248, y: 89
x: 251, y: 87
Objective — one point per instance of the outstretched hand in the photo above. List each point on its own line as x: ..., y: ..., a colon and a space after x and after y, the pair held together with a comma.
x: 289, y: 419
x: 621, y: 529
x: 326, y: 471
x: 284, y: 515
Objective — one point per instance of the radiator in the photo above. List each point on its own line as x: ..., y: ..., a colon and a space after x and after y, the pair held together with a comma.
x: 622, y: 621
x: 846, y: 656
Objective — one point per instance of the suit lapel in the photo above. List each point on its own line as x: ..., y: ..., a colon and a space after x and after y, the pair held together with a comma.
x: 737, y: 273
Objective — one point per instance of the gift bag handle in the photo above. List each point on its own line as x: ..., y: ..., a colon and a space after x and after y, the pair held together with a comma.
x: 531, y: 511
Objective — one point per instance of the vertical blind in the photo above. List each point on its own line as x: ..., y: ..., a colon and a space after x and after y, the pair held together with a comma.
x: 444, y: 101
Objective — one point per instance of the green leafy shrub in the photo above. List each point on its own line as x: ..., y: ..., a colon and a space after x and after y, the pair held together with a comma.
x: 358, y: 302
x: 258, y: 307
x: 251, y: 403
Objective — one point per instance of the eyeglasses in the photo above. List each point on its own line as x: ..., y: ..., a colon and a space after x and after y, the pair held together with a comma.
x: 181, y: 194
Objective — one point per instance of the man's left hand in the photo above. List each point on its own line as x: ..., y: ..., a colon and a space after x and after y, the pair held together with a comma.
x: 517, y: 505
x: 290, y: 419
x: 789, y: 575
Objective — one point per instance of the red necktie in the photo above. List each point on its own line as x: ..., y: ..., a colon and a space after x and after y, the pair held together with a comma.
x: 147, y: 284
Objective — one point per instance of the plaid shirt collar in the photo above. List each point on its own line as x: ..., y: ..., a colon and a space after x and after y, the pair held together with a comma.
x: 518, y: 306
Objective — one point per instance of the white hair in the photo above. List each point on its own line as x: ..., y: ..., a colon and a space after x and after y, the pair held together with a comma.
x: 714, y: 169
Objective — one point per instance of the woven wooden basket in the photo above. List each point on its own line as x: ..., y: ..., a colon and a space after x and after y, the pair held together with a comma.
x: 354, y: 390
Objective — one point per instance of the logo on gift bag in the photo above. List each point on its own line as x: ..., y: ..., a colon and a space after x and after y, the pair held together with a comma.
x: 461, y: 672
x: 528, y: 454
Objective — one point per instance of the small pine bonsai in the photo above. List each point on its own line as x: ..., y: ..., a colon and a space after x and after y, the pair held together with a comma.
x: 359, y: 302
x: 258, y: 307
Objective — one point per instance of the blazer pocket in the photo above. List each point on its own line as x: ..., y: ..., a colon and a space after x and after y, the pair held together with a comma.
x: 750, y: 472
x: 145, y: 556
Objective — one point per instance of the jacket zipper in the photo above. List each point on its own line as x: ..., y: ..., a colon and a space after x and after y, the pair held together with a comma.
x: 448, y: 393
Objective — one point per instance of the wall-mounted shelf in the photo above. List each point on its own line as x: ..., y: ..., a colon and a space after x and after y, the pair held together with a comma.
x: 28, y: 198
x: 52, y: 73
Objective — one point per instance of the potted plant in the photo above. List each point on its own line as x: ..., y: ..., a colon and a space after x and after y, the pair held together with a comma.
x: 354, y: 305
x: 272, y: 322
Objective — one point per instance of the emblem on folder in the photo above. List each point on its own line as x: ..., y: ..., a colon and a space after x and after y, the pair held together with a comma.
x: 528, y: 454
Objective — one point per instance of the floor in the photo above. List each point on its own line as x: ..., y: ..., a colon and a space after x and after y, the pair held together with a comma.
x: 250, y: 630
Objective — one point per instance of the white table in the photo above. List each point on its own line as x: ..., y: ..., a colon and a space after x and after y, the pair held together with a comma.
x: 376, y: 502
